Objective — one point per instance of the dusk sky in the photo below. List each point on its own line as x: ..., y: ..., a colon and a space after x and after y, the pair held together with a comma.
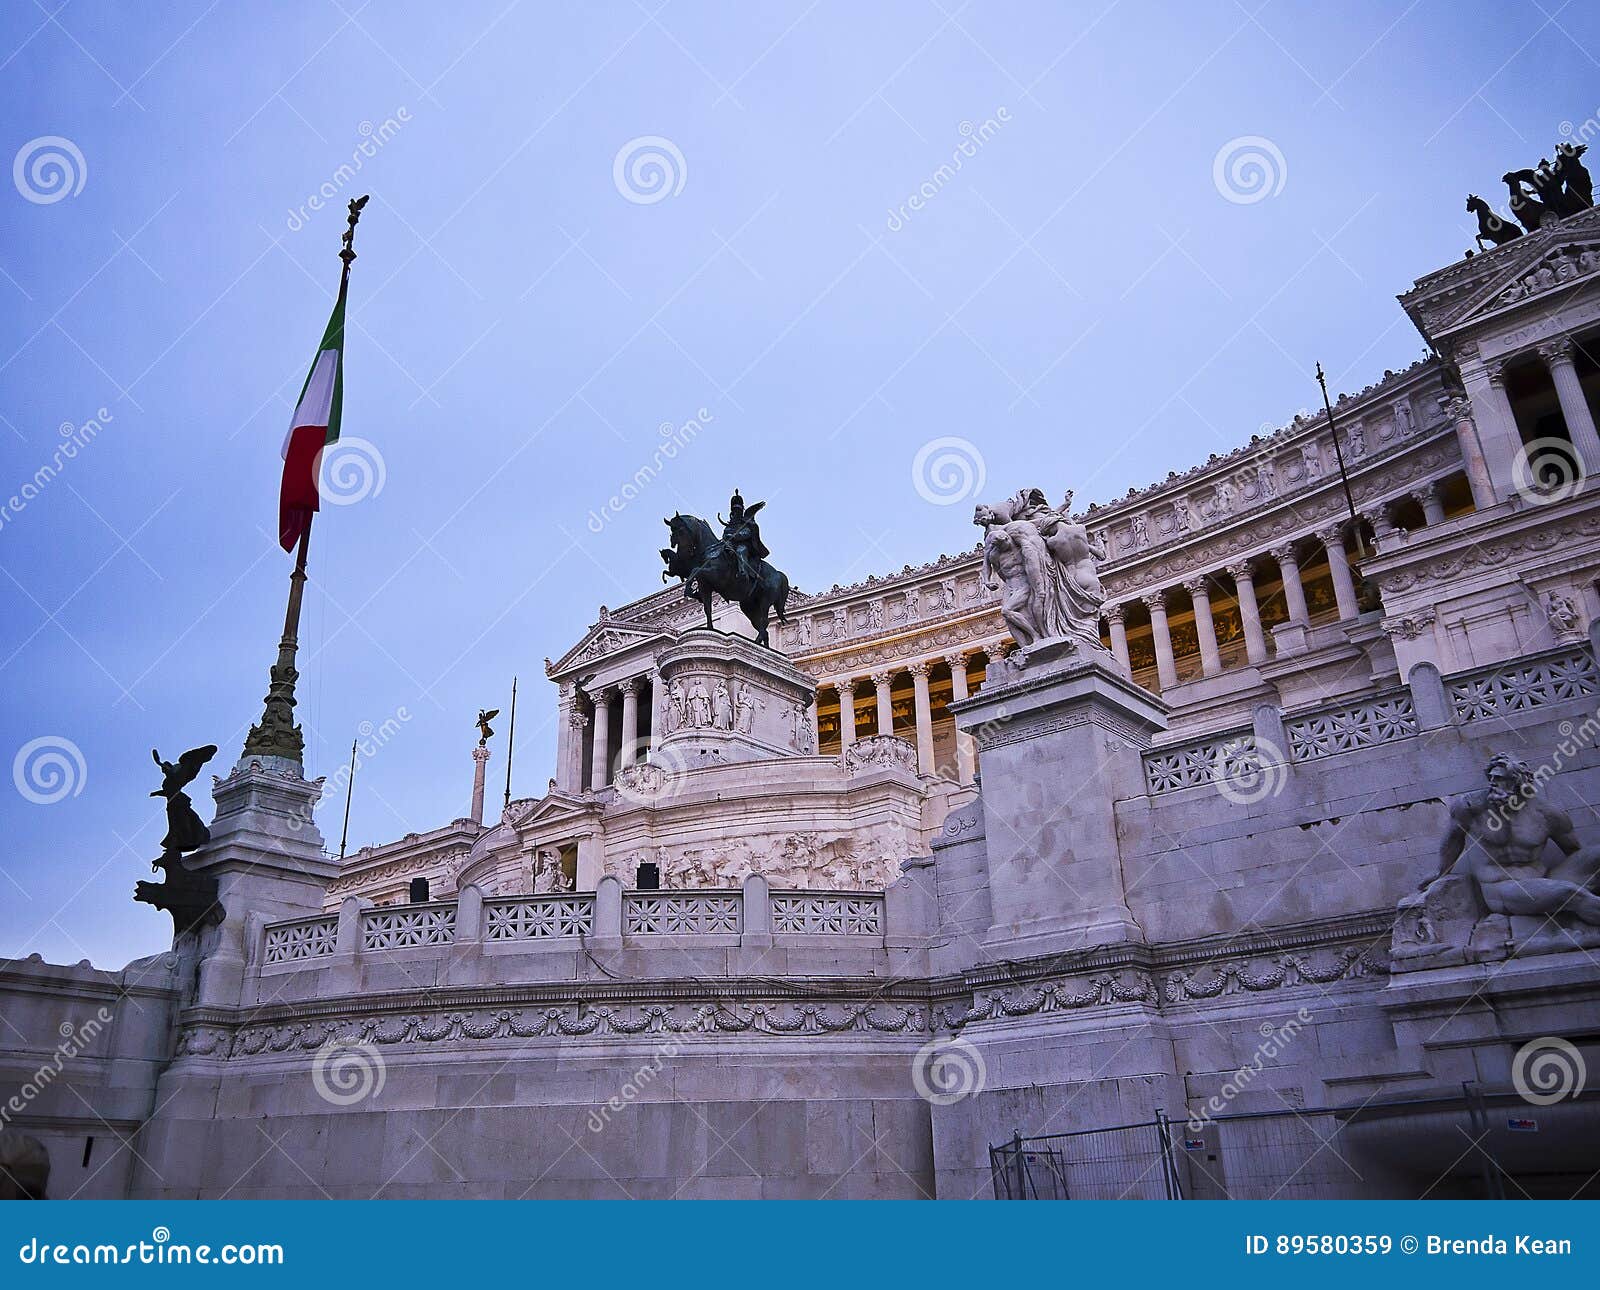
x: 1163, y: 217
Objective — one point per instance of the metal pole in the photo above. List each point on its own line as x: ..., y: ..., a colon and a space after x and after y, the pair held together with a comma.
x: 349, y: 791
x: 511, y: 738
x: 1022, y: 1169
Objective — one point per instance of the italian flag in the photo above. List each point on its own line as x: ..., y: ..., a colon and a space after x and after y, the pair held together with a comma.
x: 315, y: 426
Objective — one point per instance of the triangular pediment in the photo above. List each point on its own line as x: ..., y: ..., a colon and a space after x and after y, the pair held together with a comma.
x: 1555, y: 261
x: 601, y: 640
x: 555, y: 805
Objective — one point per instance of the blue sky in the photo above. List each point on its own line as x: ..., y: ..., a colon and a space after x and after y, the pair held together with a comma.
x: 1082, y: 299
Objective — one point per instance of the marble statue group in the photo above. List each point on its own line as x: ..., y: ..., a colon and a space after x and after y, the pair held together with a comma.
x: 1045, y: 565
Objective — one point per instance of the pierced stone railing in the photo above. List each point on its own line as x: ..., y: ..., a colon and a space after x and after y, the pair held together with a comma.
x: 673, y: 913
x: 538, y: 918
x: 1523, y: 684
x: 1204, y: 761
x: 816, y: 913
x: 404, y: 927
x: 1345, y: 727
x: 301, y: 939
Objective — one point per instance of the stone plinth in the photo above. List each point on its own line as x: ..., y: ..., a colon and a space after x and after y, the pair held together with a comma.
x: 266, y: 855
x: 1060, y: 741
x: 729, y: 700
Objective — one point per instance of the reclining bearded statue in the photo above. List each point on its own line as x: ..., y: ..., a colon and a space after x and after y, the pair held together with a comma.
x: 1496, y: 860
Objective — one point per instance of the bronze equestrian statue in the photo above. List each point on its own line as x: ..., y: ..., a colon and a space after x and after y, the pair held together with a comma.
x: 733, y: 566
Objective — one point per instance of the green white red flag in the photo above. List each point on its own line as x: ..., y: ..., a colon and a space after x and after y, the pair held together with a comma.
x: 314, y: 428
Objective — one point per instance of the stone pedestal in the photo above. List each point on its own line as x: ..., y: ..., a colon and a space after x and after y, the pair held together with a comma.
x: 1061, y: 740
x: 729, y: 700
x: 266, y: 855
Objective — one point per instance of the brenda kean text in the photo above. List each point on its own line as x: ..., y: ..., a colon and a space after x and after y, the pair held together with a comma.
x: 1360, y: 1244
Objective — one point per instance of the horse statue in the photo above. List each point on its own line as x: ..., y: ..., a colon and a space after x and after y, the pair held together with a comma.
x: 709, y: 565
x: 1529, y: 211
x: 1491, y: 226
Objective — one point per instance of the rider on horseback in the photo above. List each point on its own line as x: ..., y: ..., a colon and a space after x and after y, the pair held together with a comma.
x: 742, y: 535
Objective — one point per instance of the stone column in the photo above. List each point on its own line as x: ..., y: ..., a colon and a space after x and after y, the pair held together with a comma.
x: 1432, y: 504
x: 1382, y: 526
x: 1166, y: 665
x: 572, y: 763
x: 1557, y: 356
x: 882, y: 681
x: 1459, y: 409
x: 1294, y: 594
x: 565, y: 733
x: 480, y: 763
x: 1497, y: 424
x: 1119, y: 637
x: 630, y: 721
x: 1344, y: 583
x: 1205, y: 628
x: 966, y: 751
x: 601, y: 764
x: 1255, y: 640
x: 658, y: 708
x: 847, y: 712
x: 924, y: 709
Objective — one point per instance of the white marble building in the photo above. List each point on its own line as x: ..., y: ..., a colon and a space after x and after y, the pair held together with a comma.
x: 885, y: 846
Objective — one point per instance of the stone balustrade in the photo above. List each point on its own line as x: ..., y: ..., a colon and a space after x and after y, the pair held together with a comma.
x: 632, y: 919
x: 1426, y: 702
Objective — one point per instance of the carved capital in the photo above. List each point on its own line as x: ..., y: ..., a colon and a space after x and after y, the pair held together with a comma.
x: 1112, y: 613
x: 1496, y: 370
x: 956, y: 662
x: 630, y: 686
x: 1285, y: 555
x: 918, y: 668
x: 884, y: 679
x: 1241, y: 571
x: 846, y: 685
x: 1197, y: 587
x: 1458, y: 407
x: 1424, y: 493
x: 1557, y: 352
x: 1331, y: 536
x: 1155, y: 601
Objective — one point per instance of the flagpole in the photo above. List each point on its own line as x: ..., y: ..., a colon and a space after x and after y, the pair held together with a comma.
x: 1338, y: 454
x: 277, y: 735
x: 511, y: 738
x: 349, y: 792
